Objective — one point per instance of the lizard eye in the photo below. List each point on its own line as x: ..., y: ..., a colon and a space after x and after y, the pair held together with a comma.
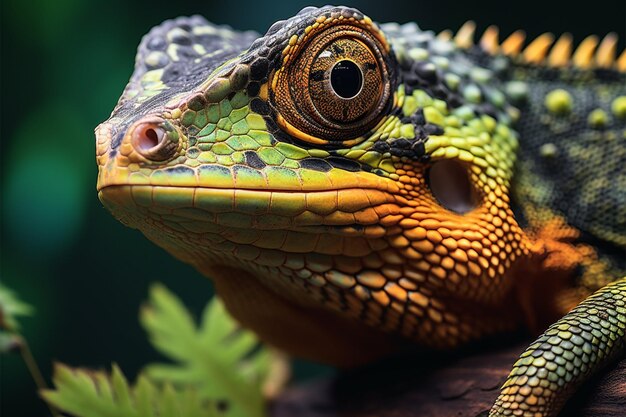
x: 334, y: 87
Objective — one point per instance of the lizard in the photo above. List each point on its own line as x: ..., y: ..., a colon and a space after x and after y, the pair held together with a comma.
x: 354, y: 188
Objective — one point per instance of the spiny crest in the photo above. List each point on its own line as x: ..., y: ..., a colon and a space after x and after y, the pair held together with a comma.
x: 590, y: 53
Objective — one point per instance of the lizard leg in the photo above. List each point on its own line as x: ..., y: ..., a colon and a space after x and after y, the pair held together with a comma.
x: 566, y: 355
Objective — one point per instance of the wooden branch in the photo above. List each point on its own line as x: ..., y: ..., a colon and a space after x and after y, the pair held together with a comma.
x: 437, y: 385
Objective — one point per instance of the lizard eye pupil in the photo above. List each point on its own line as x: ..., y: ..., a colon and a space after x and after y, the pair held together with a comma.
x: 346, y: 79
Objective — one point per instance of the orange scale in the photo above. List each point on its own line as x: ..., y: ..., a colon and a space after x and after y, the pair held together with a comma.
x: 349, y: 265
x: 415, y: 234
x: 391, y: 219
x: 422, y: 265
x: 474, y: 269
x: 453, y: 278
x: 447, y: 263
x: 449, y: 243
x: 392, y: 271
x: 459, y: 255
x: 434, y: 236
x: 423, y: 246
x: 414, y: 276
x: 416, y: 311
x: 397, y: 292
x: 361, y: 293
x: 435, y: 315
x: 372, y: 261
x: 408, y: 223
x: 407, y: 284
x: 366, y: 216
x: 439, y: 272
x: 392, y: 257
x: 433, y: 258
x: 375, y: 231
x: 430, y: 223
x: 411, y: 253
x: 441, y: 250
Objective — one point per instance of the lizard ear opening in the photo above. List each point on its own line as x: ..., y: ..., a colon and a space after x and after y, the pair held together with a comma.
x: 451, y: 185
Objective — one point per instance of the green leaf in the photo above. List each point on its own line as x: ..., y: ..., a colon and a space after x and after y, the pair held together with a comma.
x: 84, y: 393
x: 217, y: 371
x: 222, y: 360
x: 11, y: 307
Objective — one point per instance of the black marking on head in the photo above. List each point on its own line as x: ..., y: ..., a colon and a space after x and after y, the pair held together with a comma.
x: 432, y: 129
x: 427, y: 77
x: 253, y: 89
x: 178, y: 170
x: 197, y: 102
x: 258, y: 69
x: 217, y: 170
x: 260, y: 106
x: 119, y: 136
x: 412, y: 148
x: 182, y: 37
x: 253, y: 160
x: 344, y: 163
x: 315, y: 164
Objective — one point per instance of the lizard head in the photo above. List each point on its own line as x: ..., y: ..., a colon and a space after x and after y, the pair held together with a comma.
x: 357, y: 166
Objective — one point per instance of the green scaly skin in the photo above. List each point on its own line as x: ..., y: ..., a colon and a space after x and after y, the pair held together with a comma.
x: 472, y: 193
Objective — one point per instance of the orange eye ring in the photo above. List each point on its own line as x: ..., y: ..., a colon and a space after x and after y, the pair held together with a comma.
x: 335, y: 89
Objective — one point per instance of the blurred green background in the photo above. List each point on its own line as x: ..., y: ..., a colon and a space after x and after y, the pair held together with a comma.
x: 64, y: 65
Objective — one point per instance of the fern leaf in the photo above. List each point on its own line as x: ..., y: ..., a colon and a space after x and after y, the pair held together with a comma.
x: 11, y: 307
x: 217, y: 356
x: 97, y: 394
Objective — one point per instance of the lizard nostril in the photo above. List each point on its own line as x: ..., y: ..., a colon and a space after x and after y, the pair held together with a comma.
x: 147, y: 138
x: 154, y: 139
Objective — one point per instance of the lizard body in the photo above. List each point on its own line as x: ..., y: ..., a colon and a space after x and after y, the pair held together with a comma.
x: 351, y: 187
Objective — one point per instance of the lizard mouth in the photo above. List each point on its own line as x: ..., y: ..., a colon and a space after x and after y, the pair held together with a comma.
x: 350, y: 208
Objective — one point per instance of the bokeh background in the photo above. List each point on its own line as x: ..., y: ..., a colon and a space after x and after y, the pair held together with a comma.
x: 64, y: 65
